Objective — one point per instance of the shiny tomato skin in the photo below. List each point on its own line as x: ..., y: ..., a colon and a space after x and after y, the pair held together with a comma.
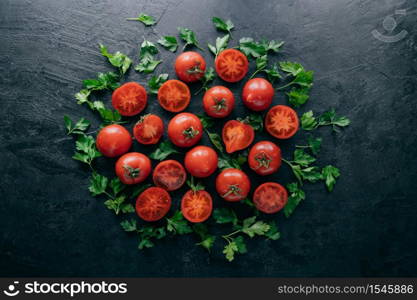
x: 185, y: 130
x: 257, y: 94
x: 218, y: 102
x: 264, y: 158
x: 233, y: 185
x: 169, y: 175
x: 237, y: 135
x: 133, y: 167
x: 201, y: 161
x: 190, y: 66
x: 149, y: 129
x: 231, y: 65
x: 281, y: 121
x: 174, y: 95
x: 129, y: 99
x: 196, y: 206
x: 113, y: 140
x: 270, y: 197
x: 153, y: 204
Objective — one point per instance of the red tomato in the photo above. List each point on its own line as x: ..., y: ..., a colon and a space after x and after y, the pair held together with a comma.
x: 113, y: 140
x: 232, y: 185
x: 133, y: 168
x: 201, y: 161
x: 185, y: 130
x: 153, y: 204
x: 218, y: 102
x: 237, y: 135
x: 270, y: 197
x: 257, y: 94
x: 281, y: 121
x: 264, y: 158
x: 196, y: 206
x: 149, y: 129
x: 129, y: 99
x: 169, y: 175
x: 174, y: 95
x: 231, y: 65
x: 190, y: 66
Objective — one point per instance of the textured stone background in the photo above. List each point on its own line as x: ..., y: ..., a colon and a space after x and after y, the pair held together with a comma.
x: 51, y: 226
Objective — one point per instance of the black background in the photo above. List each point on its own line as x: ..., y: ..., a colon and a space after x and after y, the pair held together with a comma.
x: 51, y: 226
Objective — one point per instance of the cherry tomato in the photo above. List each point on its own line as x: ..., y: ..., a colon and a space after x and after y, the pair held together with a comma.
x: 196, y: 206
x: 201, y: 161
x: 169, y: 175
x: 133, y: 168
x: 270, y: 197
x: 113, y: 140
x: 149, y: 129
x: 190, y: 66
x: 264, y: 158
x: 185, y: 130
x: 153, y: 204
x: 281, y: 121
x: 231, y: 65
x: 218, y: 102
x: 257, y: 94
x: 232, y: 185
x: 174, y: 95
x: 237, y: 135
x: 129, y: 99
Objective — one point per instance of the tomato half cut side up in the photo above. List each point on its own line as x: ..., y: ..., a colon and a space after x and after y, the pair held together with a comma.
x: 237, y: 135
x: 281, y: 122
x: 231, y: 65
x: 196, y: 206
x: 149, y: 129
x: 129, y: 99
x: 153, y: 204
x: 270, y: 197
x: 174, y: 95
x: 169, y: 175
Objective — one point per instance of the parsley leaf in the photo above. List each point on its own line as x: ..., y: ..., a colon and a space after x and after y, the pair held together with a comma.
x: 77, y: 128
x: 221, y: 44
x: 330, y: 174
x: 216, y: 140
x: 225, y: 215
x: 292, y: 68
x: 314, y: 144
x: 302, y: 158
x: 169, y: 42
x: 309, y: 122
x: 273, y: 73
x: 138, y: 189
x: 147, y: 233
x: 252, y: 228
x: 177, y: 224
x: 240, y: 243
x: 118, y: 59
x: 189, y: 37
x: 87, y: 150
x: 273, y: 233
x: 222, y: 25
x: 145, y: 19
x: 302, y: 79
x: 98, y: 184
x: 116, y: 186
x: 229, y: 251
x: 165, y: 149
x: 256, y: 49
x: 254, y: 120
x: 261, y: 63
x: 147, y: 62
x: 206, y: 79
x: 296, y: 195
x: 118, y: 205
x: 155, y: 82
x: 104, y: 81
x: 129, y: 226
x: 207, y: 240
x: 298, y: 96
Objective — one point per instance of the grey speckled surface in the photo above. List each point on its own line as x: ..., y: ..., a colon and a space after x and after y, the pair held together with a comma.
x: 51, y: 226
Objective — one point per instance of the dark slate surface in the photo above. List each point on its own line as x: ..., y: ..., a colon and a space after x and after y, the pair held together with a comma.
x: 51, y: 226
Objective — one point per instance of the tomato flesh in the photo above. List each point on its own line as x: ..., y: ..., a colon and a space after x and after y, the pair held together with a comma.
x: 281, y: 122
x: 270, y: 197
x: 237, y: 135
x: 231, y: 65
x: 149, y: 129
x: 169, y: 175
x: 129, y: 99
x: 153, y: 204
x: 174, y: 95
x: 196, y: 206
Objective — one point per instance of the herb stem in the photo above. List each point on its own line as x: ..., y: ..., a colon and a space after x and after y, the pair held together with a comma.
x: 228, y: 236
x: 256, y: 72
x: 285, y: 86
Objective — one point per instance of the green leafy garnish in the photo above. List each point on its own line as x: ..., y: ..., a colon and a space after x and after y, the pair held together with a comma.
x: 104, y: 81
x: 221, y: 44
x: 207, y: 240
x: 272, y: 73
x: 224, y: 216
x: 169, y: 42
x: 206, y: 79
x: 314, y: 144
x: 254, y: 120
x: 301, y: 168
x: 261, y: 63
x: 129, y: 226
x: 86, y: 149
x: 302, y: 158
x: 98, y: 184
x: 78, y: 128
x: 155, y: 82
x: 145, y: 19
x: 118, y: 59
x: 147, y: 63
x: 329, y: 118
x: 177, y: 224
x: 296, y: 195
x: 330, y: 174
x: 256, y: 49
x: 118, y: 205
x: 165, y: 149
x: 189, y: 37
x: 273, y: 233
x: 222, y: 25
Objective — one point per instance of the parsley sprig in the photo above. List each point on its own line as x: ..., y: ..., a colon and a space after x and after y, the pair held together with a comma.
x: 189, y: 37
x: 147, y: 62
x: 208, y: 77
x: 147, y: 20
x: 223, y: 25
x: 329, y: 118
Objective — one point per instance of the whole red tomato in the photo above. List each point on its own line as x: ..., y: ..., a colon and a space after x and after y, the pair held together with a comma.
x: 232, y: 185
x: 149, y: 129
x: 218, y: 102
x: 201, y: 161
x: 264, y: 158
x: 185, y: 130
x: 190, y: 66
x: 257, y: 94
x: 133, y: 168
x: 113, y: 140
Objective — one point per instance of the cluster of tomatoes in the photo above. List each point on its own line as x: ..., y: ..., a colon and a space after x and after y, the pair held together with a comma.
x: 185, y: 130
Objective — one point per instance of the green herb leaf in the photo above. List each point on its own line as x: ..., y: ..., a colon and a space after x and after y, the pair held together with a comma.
x: 115, y: 204
x: 216, y: 140
x: 298, y: 96
x: 206, y: 79
x: 165, y: 149
x: 272, y: 45
x: 145, y: 19
x: 273, y: 233
x: 207, y: 122
x: 138, y: 189
x: 330, y: 174
x: 229, y: 251
x: 177, y: 224
x: 87, y: 147
x: 240, y: 243
x: 207, y: 240
x: 98, y: 184
x: 189, y: 37
x: 308, y: 121
x: 221, y: 44
x: 296, y: 195
x: 314, y: 144
x: 291, y: 67
x: 224, y: 216
x: 78, y: 128
x: 251, y: 48
x: 116, y: 186
x: 104, y: 81
x: 311, y: 174
x: 127, y: 208
x: 147, y: 65
x: 169, y: 42
x: 273, y: 73
x: 222, y: 25
x: 129, y: 226
x: 330, y: 118
x: 302, y: 158
x: 252, y: 228
x: 147, y: 62
x: 118, y: 59
x: 82, y: 96
x: 155, y: 82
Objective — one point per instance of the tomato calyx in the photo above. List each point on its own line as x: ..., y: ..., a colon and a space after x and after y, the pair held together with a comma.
x: 233, y: 189
x: 142, y: 118
x: 195, y: 187
x: 190, y: 132
x: 131, y: 172
x: 195, y: 70
x: 219, y: 104
x: 263, y: 160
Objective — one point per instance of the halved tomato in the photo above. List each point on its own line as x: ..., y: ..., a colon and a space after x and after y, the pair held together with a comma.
x: 270, y: 197
x: 153, y: 204
x: 174, y: 95
x: 237, y: 135
x: 196, y: 206
x: 231, y: 65
x: 149, y: 129
x: 129, y: 99
x: 169, y: 175
x: 281, y: 121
